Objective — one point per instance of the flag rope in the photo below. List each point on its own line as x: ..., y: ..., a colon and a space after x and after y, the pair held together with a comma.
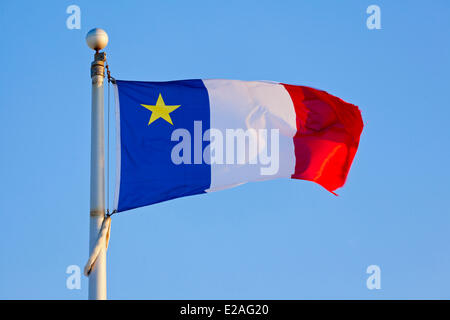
x: 110, y: 80
x: 107, y: 148
x: 101, y: 243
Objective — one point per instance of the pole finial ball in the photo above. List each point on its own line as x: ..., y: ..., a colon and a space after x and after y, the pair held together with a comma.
x: 97, y: 39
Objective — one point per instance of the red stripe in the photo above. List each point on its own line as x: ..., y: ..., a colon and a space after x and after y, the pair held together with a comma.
x: 328, y: 131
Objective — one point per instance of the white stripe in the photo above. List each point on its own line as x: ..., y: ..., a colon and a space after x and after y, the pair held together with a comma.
x: 118, y: 154
x: 251, y: 105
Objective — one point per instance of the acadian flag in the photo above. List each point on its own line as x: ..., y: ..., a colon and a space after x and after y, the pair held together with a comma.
x: 181, y: 138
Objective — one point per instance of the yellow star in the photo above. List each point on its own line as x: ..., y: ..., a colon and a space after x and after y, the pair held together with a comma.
x: 160, y: 110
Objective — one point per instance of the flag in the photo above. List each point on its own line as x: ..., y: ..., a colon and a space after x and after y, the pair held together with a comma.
x: 180, y: 138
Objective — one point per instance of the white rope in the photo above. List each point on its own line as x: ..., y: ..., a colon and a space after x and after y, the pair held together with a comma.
x: 101, y: 243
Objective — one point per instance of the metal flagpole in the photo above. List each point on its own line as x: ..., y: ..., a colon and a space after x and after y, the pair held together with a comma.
x: 97, y: 39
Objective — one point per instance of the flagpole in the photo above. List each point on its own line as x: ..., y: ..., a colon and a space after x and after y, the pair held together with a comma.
x: 97, y: 39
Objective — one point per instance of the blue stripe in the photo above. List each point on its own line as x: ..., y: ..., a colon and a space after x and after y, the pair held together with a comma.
x: 148, y: 174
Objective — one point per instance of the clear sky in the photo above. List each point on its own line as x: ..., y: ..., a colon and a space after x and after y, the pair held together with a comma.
x: 282, y: 239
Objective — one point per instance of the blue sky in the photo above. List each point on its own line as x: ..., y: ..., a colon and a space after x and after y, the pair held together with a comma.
x: 281, y: 239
